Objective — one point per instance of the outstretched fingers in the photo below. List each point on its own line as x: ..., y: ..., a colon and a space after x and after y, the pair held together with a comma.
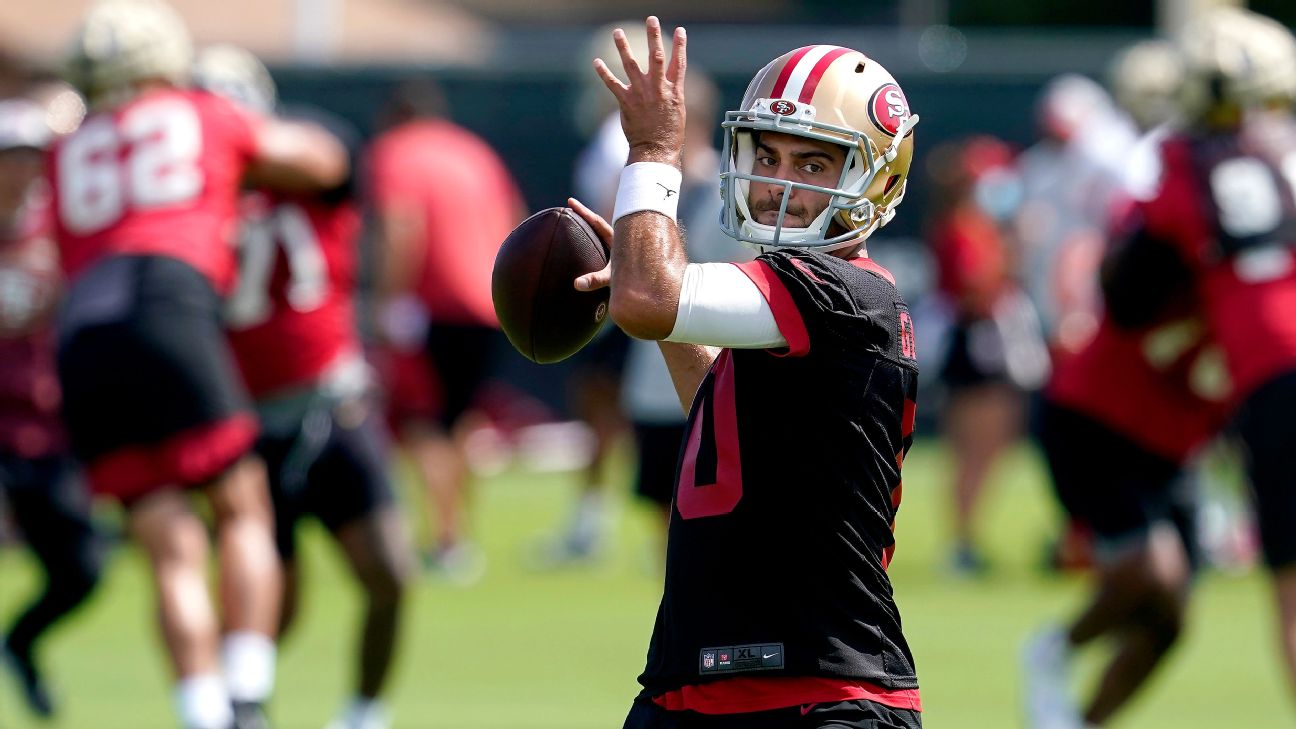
x: 656, y: 53
x: 609, y: 79
x: 679, y: 57
x: 628, y: 62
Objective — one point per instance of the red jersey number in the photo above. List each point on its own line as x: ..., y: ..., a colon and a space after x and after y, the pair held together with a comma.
x: 289, y: 228
x: 147, y: 158
x: 693, y: 500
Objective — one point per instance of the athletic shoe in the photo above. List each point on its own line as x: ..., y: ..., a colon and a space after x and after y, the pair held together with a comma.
x: 29, y: 679
x: 363, y: 715
x: 967, y: 562
x: 1046, y: 669
x: 461, y: 564
x: 250, y: 715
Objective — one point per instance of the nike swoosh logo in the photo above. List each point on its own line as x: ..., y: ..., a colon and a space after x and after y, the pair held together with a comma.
x: 807, y: 708
x: 769, y: 655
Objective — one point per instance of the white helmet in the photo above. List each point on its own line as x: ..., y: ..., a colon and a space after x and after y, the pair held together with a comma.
x: 236, y: 74
x: 830, y: 94
x: 1235, y: 59
x: 1068, y: 104
x: 1145, y: 79
x: 123, y: 42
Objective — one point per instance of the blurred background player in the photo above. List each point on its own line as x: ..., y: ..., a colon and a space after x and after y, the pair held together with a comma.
x: 47, y: 498
x: 993, y: 353
x: 1225, y: 213
x: 146, y: 192
x: 435, y: 263
x: 1069, y: 178
x: 294, y: 333
x: 1120, y: 448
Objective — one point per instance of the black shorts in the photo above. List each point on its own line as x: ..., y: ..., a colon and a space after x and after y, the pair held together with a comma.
x: 644, y: 714
x: 1265, y: 424
x: 968, y: 363
x: 151, y: 394
x: 462, y: 357
x: 327, y: 467
x: 659, y: 447
x: 1111, y: 484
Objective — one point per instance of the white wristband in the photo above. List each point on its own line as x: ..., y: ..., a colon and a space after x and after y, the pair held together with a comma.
x: 648, y: 186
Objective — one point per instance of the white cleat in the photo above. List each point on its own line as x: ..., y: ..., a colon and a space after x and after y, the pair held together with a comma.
x: 363, y: 715
x: 1046, y: 672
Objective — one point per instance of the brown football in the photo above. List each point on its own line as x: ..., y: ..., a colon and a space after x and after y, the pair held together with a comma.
x: 544, y: 316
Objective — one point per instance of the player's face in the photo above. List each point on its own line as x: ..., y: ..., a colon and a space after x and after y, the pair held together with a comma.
x: 790, y: 157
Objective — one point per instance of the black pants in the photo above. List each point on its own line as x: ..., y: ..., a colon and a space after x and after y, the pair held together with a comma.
x: 842, y: 715
x: 52, y: 508
x: 462, y: 356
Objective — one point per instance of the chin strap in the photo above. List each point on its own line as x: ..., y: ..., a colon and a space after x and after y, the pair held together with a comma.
x: 906, y: 126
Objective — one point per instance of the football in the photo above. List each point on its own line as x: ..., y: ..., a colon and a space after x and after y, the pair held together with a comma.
x: 542, y: 314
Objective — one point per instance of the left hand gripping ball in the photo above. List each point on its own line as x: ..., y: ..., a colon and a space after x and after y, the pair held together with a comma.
x: 541, y: 312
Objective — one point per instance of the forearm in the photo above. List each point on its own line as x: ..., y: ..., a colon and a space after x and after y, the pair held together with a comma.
x: 688, y: 364
x: 648, y: 263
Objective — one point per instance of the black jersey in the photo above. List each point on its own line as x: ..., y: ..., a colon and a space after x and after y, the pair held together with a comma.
x: 787, y: 489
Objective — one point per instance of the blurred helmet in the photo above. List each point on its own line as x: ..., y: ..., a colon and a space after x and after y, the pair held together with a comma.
x: 1235, y: 59
x: 1068, y: 104
x: 236, y: 74
x: 123, y: 42
x: 23, y: 125
x: 830, y: 94
x: 1145, y: 79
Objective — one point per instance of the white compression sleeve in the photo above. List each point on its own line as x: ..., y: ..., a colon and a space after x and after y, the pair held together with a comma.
x: 719, y: 306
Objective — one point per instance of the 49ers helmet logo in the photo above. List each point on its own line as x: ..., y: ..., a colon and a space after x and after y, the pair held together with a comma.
x: 889, y: 107
x: 783, y: 107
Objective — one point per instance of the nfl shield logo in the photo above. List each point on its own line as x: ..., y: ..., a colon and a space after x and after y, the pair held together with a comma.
x: 708, y: 660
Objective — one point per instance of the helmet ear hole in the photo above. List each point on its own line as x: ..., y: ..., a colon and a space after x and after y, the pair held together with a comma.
x: 890, y: 183
x: 863, y: 212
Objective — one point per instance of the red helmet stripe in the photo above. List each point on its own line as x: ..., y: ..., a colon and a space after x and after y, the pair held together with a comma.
x: 812, y: 81
x: 786, y: 73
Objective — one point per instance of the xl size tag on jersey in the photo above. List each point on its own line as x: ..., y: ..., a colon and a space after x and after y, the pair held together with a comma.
x: 741, y: 658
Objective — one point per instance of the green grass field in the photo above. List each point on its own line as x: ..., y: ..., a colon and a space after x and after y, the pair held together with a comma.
x: 522, y: 650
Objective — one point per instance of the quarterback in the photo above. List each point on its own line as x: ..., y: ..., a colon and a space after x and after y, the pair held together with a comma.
x: 799, y: 372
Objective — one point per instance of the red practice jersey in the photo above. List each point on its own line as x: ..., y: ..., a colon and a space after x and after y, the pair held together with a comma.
x: 1228, y: 208
x: 293, y: 314
x: 1162, y: 388
x: 454, y: 183
x: 971, y: 262
x: 29, y: 291
x: 158, y: 175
